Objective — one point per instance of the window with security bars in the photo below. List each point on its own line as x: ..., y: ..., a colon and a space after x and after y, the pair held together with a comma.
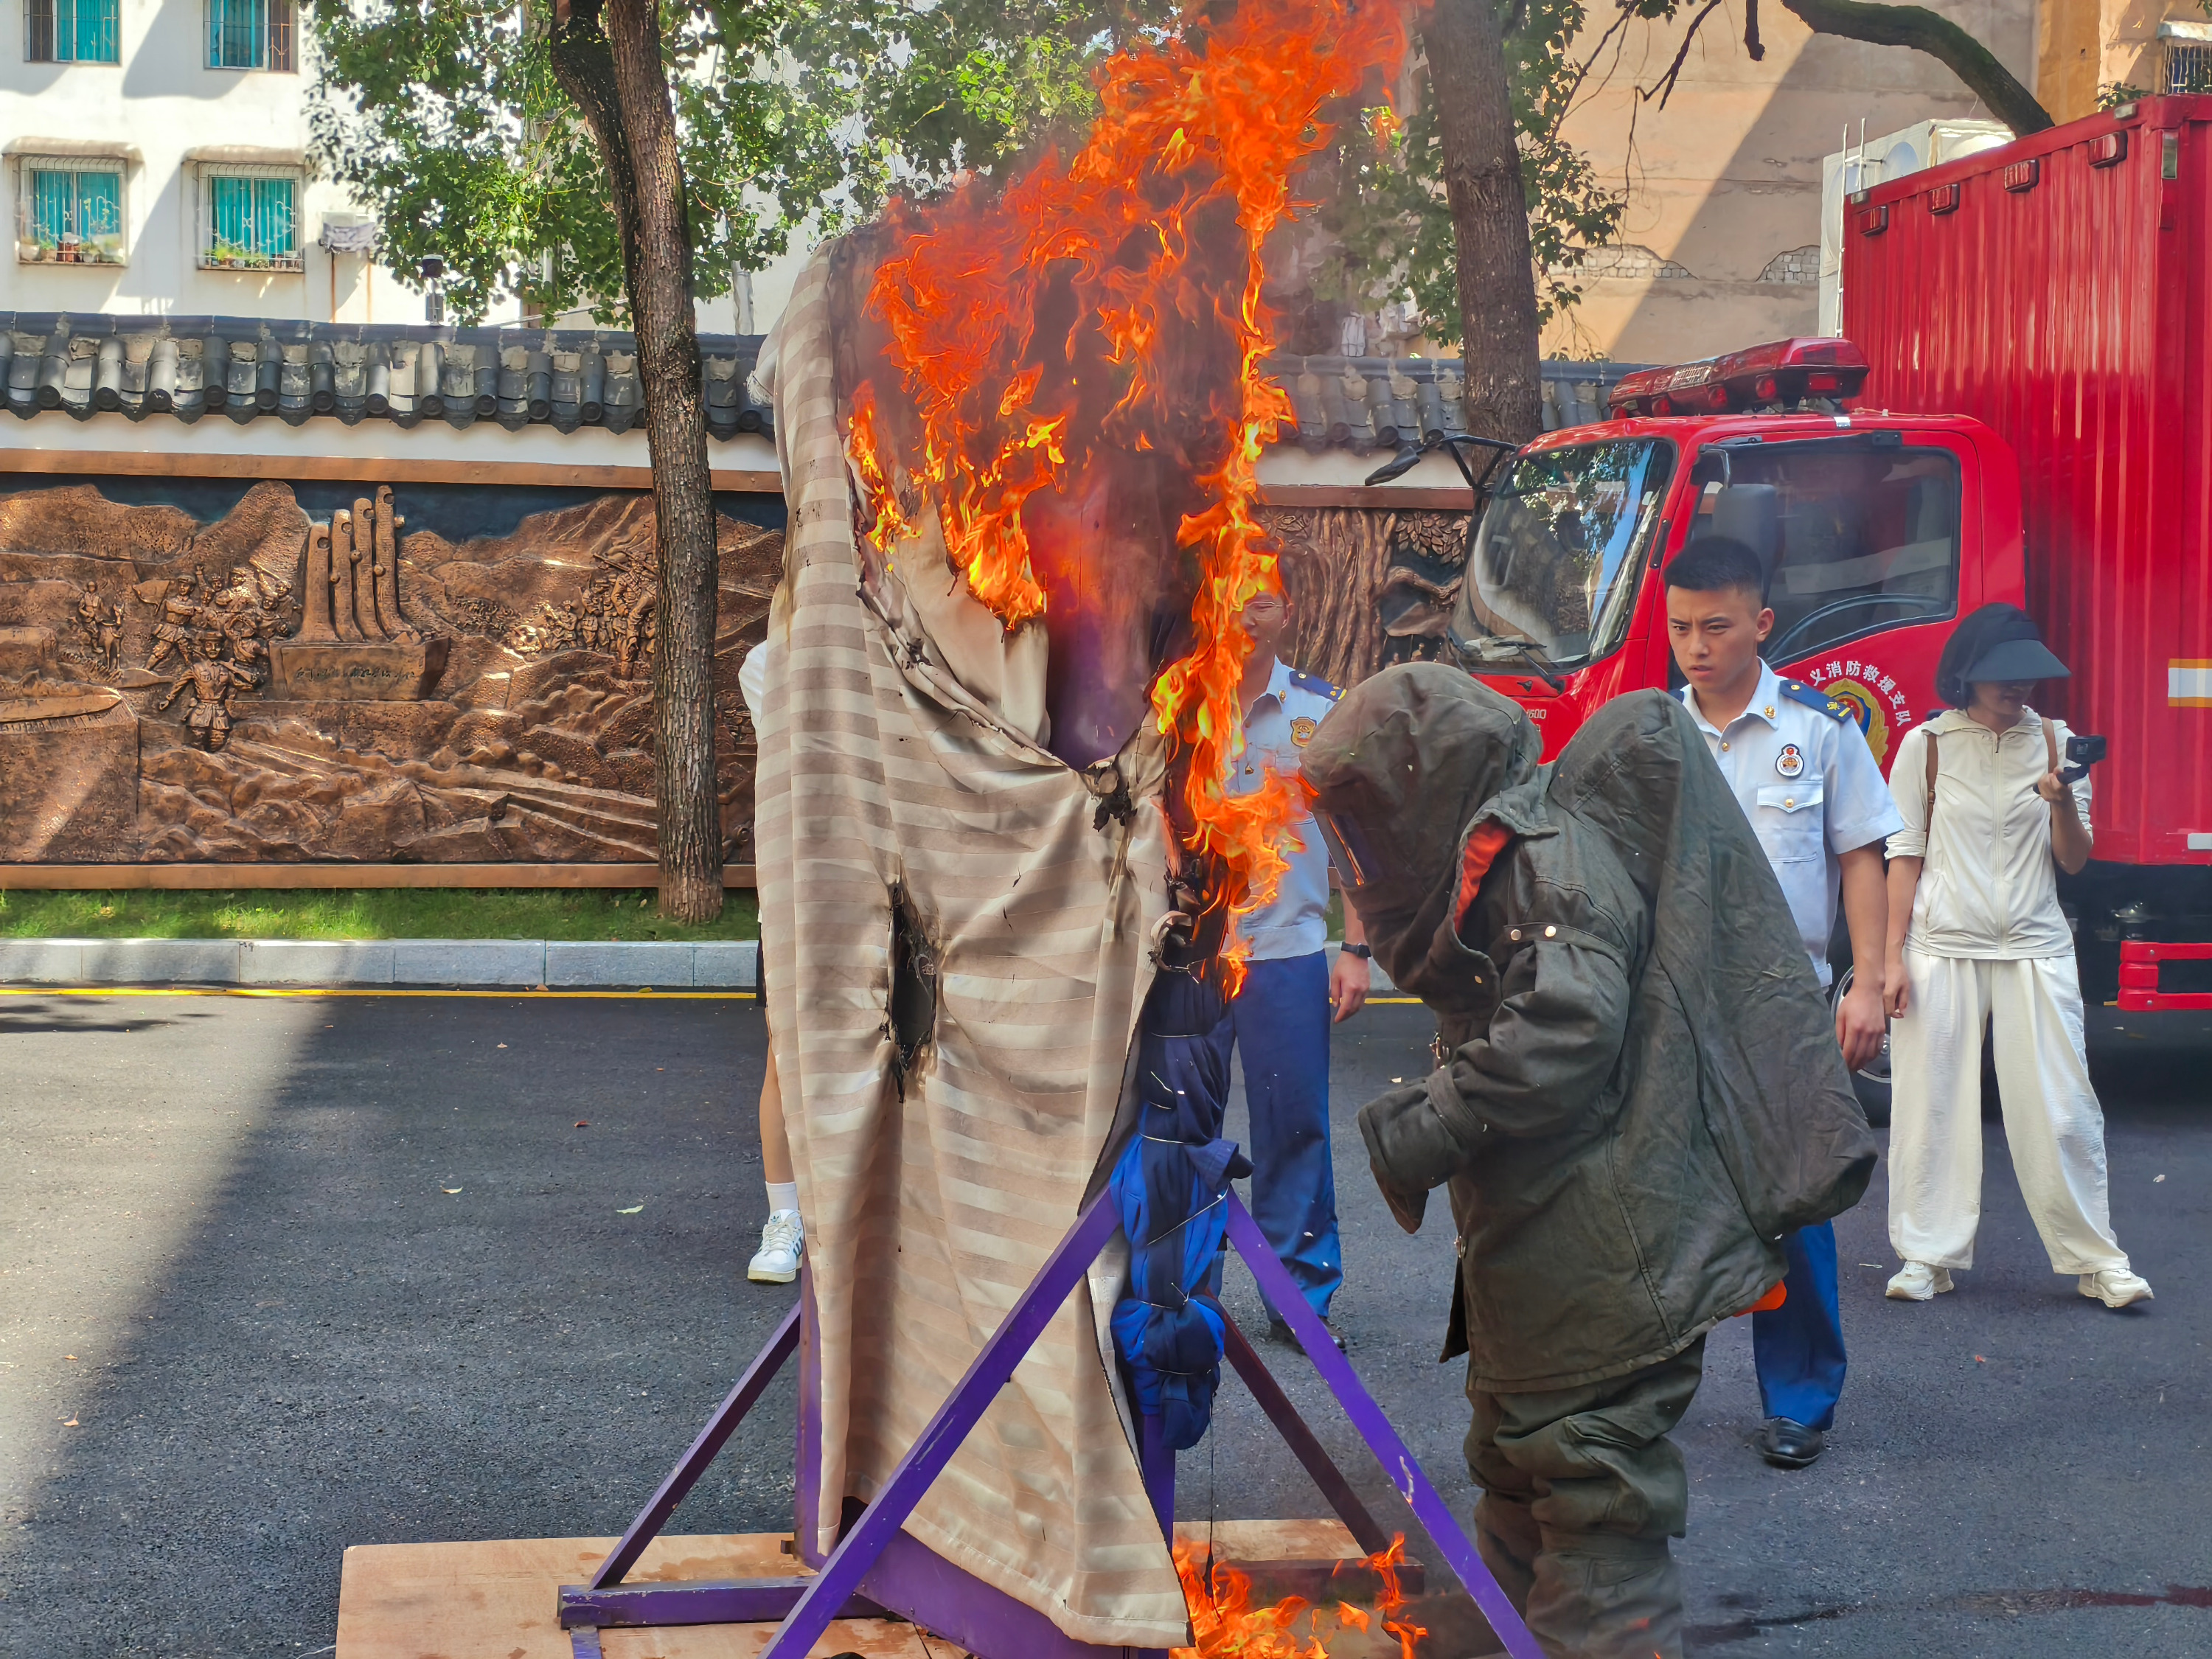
x: 2188, y: 66
x: 70, y: 31
x: 69, y: 213
x: 252, y: 34
x: 252, y: 221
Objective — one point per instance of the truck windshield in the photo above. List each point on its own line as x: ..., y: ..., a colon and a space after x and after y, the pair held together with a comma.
x: 1855, y: 534
x: 1556, y: 561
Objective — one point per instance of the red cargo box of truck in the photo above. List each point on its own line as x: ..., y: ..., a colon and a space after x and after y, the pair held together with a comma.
x: 2059, y: 290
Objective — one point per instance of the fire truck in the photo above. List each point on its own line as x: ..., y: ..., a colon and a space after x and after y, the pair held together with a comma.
x: 2015, y: 412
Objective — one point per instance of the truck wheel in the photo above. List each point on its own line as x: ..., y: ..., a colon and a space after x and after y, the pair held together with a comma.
x: 1870, y: 1083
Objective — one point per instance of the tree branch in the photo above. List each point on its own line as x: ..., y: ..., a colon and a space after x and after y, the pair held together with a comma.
x: 1664, y: 88
x: 1941, y: 39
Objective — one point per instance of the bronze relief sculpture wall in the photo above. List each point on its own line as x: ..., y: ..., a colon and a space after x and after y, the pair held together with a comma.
x: 204, y: 672
x: 1369, y: 587
x: 201, y: 671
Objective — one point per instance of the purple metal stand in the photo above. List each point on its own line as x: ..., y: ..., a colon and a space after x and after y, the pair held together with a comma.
x: 1397, y: 1459
x: 876, y: 1567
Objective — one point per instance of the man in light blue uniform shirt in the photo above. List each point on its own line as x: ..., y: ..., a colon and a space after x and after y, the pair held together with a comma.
x: 1284, y: 1012
x: 1801, y: 768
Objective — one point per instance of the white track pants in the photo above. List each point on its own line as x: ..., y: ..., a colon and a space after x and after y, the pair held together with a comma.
x: 2053, y: 1124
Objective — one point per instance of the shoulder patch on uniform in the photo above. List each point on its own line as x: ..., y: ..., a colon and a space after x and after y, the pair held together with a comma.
x: 1315, y: 684
x: 1834, y: 707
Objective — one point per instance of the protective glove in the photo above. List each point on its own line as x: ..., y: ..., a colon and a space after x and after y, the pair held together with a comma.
x: 1409, y: 1148
x: 1407, y: 1204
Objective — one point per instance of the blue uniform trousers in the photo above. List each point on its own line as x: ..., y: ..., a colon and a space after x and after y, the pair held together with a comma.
x: 1799, y: 1346
x: 1282, y: 1021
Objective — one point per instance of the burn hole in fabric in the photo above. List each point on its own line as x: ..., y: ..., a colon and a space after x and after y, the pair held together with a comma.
x: 914, y: 970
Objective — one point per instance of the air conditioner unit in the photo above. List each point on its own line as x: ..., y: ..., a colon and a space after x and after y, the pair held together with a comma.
x: 1863, y: 163
x: 347, y: 233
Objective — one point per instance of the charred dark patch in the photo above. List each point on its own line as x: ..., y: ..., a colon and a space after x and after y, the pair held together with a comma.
x: 914, y: 973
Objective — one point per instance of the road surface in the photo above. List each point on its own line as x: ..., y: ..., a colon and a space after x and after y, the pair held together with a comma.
x: 282, y: 1274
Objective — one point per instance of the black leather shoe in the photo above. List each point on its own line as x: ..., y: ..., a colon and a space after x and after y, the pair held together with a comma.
x: 1279, y: 1330
x: 1788, y: 1445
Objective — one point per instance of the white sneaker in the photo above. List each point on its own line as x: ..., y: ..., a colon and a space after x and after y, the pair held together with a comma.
x: 782, y: 1241
x: 2116, y: 1287
x: 1916, y: 1281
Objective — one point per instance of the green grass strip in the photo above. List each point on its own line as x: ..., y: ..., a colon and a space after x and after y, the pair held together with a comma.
x: 365, y: 912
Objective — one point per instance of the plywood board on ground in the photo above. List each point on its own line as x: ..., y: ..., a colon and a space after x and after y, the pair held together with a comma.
x: 495, y: 1599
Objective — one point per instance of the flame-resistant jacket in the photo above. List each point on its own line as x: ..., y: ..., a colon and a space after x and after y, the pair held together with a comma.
x: 1643, y: 1094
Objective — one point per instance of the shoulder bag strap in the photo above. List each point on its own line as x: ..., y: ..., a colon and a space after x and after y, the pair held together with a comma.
x: 1928, y: 828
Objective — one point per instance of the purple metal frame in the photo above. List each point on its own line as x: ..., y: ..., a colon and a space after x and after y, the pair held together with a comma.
x: 1396, y: 1458
x: 876, y: 1567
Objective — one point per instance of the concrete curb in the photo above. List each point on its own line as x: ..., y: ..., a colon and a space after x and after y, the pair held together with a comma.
x: 522, y: 963
x: 720, y: 965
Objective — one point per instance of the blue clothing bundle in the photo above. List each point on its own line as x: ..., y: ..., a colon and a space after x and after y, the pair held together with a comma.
x: 1168, y: 1189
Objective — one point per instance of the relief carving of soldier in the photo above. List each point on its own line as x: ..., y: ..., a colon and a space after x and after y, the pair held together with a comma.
x: 181, y: 610
x: 212, y: 681
x: 108, y: 635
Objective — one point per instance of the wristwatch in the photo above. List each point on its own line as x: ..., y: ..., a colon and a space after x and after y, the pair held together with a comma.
x: 1365, y: 953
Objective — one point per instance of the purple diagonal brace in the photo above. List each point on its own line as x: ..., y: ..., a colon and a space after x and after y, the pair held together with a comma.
x: 1397, y: 1459
x: 926, y: 1459
x: 1158, y: 1464
x: 693, y: 1464
x: 1367, y: 1532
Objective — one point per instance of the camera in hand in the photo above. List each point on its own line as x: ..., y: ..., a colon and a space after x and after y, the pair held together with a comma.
x: 2081, y: 754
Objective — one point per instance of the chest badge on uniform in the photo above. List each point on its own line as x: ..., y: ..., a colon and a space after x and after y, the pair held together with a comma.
x: 1790, y: 762
x: 1302, y: 730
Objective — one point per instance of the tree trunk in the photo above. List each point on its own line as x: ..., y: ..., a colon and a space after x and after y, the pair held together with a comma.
x: 1466, y: 45
x: 1936, y: 35
x: 607, y: 57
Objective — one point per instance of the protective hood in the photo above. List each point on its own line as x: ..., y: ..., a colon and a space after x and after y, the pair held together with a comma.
x: 1410, y: 761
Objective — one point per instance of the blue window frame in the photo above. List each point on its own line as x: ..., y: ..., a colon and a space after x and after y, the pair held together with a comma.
x: 253, y: 223
x: 71, y: 214
x: 250, y: 34
x: 70, y: 31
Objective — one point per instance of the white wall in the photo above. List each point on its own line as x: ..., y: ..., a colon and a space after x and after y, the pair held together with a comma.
x: 323, y: 440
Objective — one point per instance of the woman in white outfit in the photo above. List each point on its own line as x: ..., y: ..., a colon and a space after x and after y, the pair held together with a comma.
x: 1976, y: 939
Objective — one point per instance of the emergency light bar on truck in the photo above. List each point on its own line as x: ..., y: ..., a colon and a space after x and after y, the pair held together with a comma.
x: 1780, y: 375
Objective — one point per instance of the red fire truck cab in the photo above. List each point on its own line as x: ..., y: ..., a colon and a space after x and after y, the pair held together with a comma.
x: 1878, y: 531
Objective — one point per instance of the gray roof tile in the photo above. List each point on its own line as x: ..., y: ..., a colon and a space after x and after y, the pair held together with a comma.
x: 247, y: 368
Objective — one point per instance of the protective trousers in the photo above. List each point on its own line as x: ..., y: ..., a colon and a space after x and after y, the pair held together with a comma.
x: 1282, y: 1019
x: 1581, y: 1489
x: 2053, y: 1125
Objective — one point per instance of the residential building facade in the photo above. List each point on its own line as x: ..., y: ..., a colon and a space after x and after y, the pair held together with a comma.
x: 156, y: 163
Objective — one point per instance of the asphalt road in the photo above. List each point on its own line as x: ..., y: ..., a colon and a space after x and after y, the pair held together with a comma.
x: 282, y: 1275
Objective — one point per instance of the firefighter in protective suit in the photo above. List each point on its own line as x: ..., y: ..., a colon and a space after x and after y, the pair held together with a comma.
x: 1639, y: 1097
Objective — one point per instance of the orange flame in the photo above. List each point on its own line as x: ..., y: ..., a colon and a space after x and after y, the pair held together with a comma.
x: 1197, y: 140
x: 1226, y: 1626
